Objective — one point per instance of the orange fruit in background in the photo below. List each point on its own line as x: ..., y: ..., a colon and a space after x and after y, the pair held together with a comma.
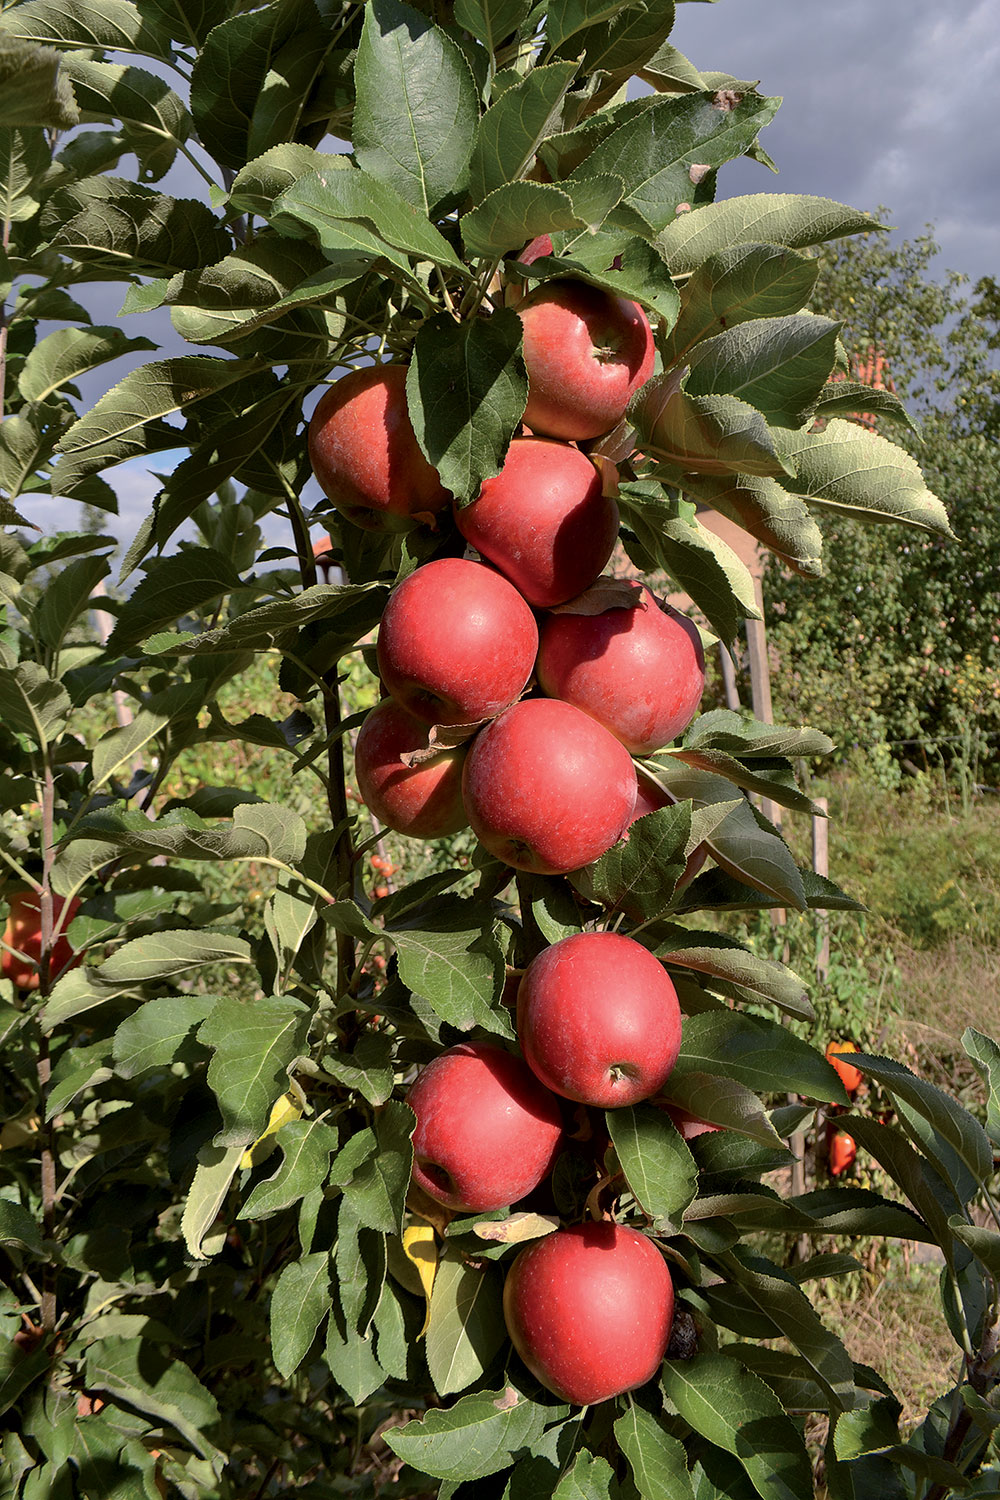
x: 850, y: 1076
x: 24, y: 932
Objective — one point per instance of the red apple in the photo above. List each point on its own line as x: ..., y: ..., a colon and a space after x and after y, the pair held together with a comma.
x: 640, y: 672
x: 590, y: 1309
x: 587, y: 352
x: 487, y: 1131
x: 365, y: 454
x: 650, y: 797
x: 544, y: 521
x: 24, y: 932
x: 598, y: 1019
x: 456, y: 643
x: 422, y: 800
x: 546, y: 788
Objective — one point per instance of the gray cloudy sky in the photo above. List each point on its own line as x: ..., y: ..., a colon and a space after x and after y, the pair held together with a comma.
x: 885, y: 101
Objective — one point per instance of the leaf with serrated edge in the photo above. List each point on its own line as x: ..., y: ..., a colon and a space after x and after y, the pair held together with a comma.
x: 794, y: 220
x: 759, y: 1053
x: 466, y: 1327
x: 416, y: 113
x: 855, y: 472
x: 657, y: 1460
x: 152, y: 1036
x: 720, y: 1400
x: 475, y: 1437
x: 466, y: 390
x: 213, y: 1175
x: 658, y: 1165
x: 254, y: 1045
x: 299, y: 1303
x: 307, y: 1146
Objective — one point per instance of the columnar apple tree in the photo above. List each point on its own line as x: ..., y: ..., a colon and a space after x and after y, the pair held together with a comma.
x: 251, y: 1243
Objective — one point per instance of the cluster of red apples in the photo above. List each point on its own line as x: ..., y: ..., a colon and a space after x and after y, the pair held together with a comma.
x: 516, y: 697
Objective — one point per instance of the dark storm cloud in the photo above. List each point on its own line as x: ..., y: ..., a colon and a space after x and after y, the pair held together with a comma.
x: 887, y: 102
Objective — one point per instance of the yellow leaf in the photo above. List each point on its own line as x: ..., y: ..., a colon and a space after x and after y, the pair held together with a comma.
x: 420, y: 1246
x: 288, y: 1107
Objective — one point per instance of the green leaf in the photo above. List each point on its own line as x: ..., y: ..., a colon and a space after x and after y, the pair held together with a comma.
x: 736, y: 970
x: 368, y: 1069
x: 18, y: 1229
x: 307, y: 1146
x: 155, y: 1033
x: 116, y: 749
x: 490, y: 21
x: 961, y: 1130
x: 657, y: 1460
x: 153, y: 118
x: 361, y: 1265
x: 64, y: 355
x: 33, y: 703
x: 213, y: 1175
x: 352, y: 1362
x: 520, y: 211
x: 704, y: 566
x: 638, y: 876
x: 466, y: 388
x: 724, y: 729
x: 745, y: 844
x: 33, y: 90
x: 985, y: 1055
x: 845, y: 1210
x: 768, y: 1058
x: 466, y: 1328
x: 24, y: 156
x: 723, y: 1102
x: 254, y: 1044
x: 477, y: 1436
x: 139, y: 1373
x: 624, y: 264
x: 300, y: 1301
x: 173, y: 587
x: 454, y: 961
x: 416, y: 113
x: 778, y: 365
x: 512, y: 129
x: 853, y: 398
x: 984, y: 1243
x: 377, y: 1190
x: 623, y: 45
x: 657, y: 1164
x: 356, y: 214
x: 238, y: 62
x: 590, y: 1478
x: 354, y: 608
x: 127, y: 418
x: 258, y: 831
x: 854, y: 472
x: 777, y: 1296
x: 137, y: 233
x: 166, y: 954
x: 115, y: 24
x: 67, y: 598
x: 655, y: 152
x: 706, y: 434
x: 739, y: 1413
x: 792, y: 220
x: 737, y: 284
x: 779, y: 521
